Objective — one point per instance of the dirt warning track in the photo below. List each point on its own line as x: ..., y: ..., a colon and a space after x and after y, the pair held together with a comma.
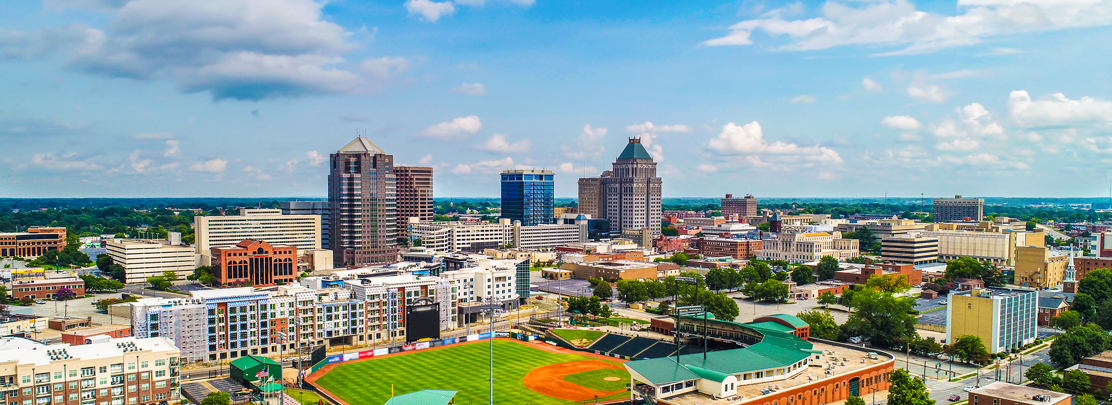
x: 549, y: 380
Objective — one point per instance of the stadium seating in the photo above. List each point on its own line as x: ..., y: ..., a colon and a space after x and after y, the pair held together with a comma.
x: 633, y: 347
x: 608, y: 342
x: 658, y: 350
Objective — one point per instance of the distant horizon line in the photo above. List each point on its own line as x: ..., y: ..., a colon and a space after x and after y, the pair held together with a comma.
x: 322, y: 198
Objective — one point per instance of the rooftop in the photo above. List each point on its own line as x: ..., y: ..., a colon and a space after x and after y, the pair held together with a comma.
x: 423, y: 397
x: 1020, y: 394
x: 362, y: 145
x: 24, y: 351
x: 634, y: 150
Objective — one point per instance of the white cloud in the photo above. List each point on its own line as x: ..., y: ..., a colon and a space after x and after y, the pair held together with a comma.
x: 871, y: 85
x: 803, y: 99
x: 476, y: 89
x: 904, y: 122
x: 1002, y: 52
x: 707, y: 168
x: 1057, y: 110
x: 497, y: 143
x: 568, y: 167
x: 233, y: 49
x: 748, y: 139
x: 172, y: 149
x: 430, y: 10
x: 48, y: 161
x: 909, y: 137
x: 455, y: 129
x: 384, y: 67
x: 964, y: 145
x: 976, y: 123
x: 480, y: 3
x: 587, y: 144
x: 898, y: 24
x: 212, y: 166
x: 425, y: 160
x: 487, y: 166
x: 649, y: 142
x: 138, y: 164
x: 315, y: 158
x: 931, y: 93
x: 649, y: 127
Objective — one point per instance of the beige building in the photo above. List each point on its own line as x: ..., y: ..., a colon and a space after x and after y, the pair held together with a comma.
x: 799, y: 247
x: 1004, y: 318
x: 269, y: 225
x: 1039, y: 267
x: 150, y: 258
x: 455, y: 236
x: 590, y: 190
x: 642, y: 237
x: 119, y: 371
x: 516, y: 254
x: 885, y: 228
x: 984, y: 241
x: 910, y: 250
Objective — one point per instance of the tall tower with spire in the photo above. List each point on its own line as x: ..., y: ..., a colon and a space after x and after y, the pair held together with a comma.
x: 362, y: 197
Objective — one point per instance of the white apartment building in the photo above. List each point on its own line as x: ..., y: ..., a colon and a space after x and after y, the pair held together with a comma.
x: 182, y: 320
x: 449, y: 237
x: 120, y: 371
x: 808, y: 247
x: 302, y: 231
x: 149, y: 258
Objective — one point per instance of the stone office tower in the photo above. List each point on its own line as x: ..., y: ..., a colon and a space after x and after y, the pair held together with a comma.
x: 414, y: 190
x: 628, y: 194
x: 362, y: 201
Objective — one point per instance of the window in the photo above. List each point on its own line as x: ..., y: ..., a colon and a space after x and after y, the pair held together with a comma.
x: 160, y: 362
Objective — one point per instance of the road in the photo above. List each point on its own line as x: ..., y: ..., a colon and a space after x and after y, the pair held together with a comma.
x: 941, y: 389
x: 1052, y: 232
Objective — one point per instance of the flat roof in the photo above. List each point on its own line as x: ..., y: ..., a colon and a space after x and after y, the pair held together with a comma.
x: 1019, y: 393
x: 25, y: 351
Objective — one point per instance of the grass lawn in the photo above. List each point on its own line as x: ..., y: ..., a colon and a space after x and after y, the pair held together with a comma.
x: 595, y: 379
x: 459, y: 367
x: 303, y: 396
x: 616, y: 321
x: 578, y: 337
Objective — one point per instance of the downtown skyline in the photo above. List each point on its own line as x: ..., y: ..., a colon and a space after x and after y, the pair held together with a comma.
x: 815, y: 99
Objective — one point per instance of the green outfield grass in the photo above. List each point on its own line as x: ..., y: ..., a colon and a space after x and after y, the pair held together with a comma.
x: 303, y: 396
x: 594, y: 379
x: 463, y: 368
x: 578, y: 337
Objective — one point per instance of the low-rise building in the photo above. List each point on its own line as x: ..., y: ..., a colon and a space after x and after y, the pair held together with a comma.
x: 612, y: 270
x: 1081, y: 268
x: 150, y: 258
x: 861, y: 275
x: 95, y: 334
x: 909, y: 249
x: 46, y: 287
x: 116, y: 371
x: 1001, y: 393
x: 799, y: 247
x: 255, y: 261
x: 1004, y: 318
x: 1050, y: 307
x: 20, y: 324
x: 1039, y: 267
x: 33, y: 242
x: 451, y: 237
x: 737, y: 248
x: 1099, y: 369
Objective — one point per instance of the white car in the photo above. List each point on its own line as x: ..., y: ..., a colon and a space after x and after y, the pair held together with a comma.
x: 970, y: 388
x: 943, y: 302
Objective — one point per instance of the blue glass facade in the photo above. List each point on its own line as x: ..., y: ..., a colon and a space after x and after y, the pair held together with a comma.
x: 527, y: 196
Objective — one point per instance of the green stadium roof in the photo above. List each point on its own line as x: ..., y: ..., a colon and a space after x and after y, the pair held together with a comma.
x: 424, y: 397
x: 245, y: 363
x: 791, y: 319
x: 777, y: 348
x: 634, y: 150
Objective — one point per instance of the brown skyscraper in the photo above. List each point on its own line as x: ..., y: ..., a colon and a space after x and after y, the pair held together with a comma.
x: 742, y: 207
x: 361, y: 196
x: 590, y: 191
x: 414, y: 195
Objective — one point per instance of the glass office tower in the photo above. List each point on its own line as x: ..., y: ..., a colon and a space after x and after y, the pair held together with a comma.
x: 527, y: 196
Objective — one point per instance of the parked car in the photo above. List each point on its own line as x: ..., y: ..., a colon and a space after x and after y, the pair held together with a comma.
x: 40, y: 302
x: 942, y: 302
x: 970, y: 388
x: 954, y: 398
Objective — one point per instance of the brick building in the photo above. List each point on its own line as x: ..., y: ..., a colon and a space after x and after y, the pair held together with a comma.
x: 46, y: 288
x: 736, y: 248
x: 33, y: 242
x: 739, y: 207
x: 1082, y: 266
x: 862, y: 275
x: 1000, y: 393
x: 620, y: 270
x: 256, y: 261
x: 414, y: 191
x: 84, y: 336
x: 1050, y: 307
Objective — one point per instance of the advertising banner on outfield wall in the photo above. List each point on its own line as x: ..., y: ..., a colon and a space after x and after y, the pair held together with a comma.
x: 448, y: 341
x: 409, y: 347
x: 484, y: 335
x: 421, y: 345
x: 366, y: 354
x: 350, y: 356
x: 382, y: 352
x: 472, y: 338
x: 335, y: 359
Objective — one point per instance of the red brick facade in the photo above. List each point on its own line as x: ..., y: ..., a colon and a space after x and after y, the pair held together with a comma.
x: 256, y: 261
x: 46, y: 288
x: 32, y: 243
x: 1083, y: 265
x: 914, y: 276
x: 833, y: 389
x: 737, y: 248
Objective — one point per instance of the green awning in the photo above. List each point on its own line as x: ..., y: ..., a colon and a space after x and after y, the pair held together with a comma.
x: 271, y: 387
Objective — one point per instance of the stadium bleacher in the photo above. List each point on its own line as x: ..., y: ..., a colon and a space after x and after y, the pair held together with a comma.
x: 658, y: 350
x: 608, y: 343
x: 633, y: 347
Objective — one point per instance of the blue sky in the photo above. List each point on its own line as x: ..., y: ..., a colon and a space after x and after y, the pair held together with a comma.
x: 155, y: 98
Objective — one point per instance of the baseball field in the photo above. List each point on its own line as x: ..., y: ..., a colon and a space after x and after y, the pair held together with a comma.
x: 524, y: 373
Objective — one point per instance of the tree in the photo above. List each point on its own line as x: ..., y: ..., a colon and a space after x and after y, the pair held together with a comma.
x: 631, y: 291
x: 65, y: 294
x: 719, y: 304
x: 970, y: 349
x: 118, y: 272
x: 1084, y: 305
x: 1078, y: 343
x: 669, y: 231
x: 734, y: 278
x: 1104, y: 315
x: 655, y: 289
x: 1042, y: 375
x: 802, y: 275
x: 1075, y: 382
x: 866, y: 238
x: 827, y: 267
x: 905, y: 390
x: 823, y: 325
x: 888, y: 283
x: 217, y: 398
x: 1097, y: 284
x: 855, y: 400
x: 780, y: 276
x: 764, y: 272
x: 603, y: 290
x: 771, y: 290
x: 170, y: 276
x: 158, y: 283
x: 883, y: 318
x: 827, y: 298
x: 1084, y: 399
x: 104, y: 263
x: 717, y: 280
x: 679, y: 258
x: 1066, y: 320
x: 418, y: 242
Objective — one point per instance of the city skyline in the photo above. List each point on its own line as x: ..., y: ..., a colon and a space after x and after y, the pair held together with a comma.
x: 815, y: 99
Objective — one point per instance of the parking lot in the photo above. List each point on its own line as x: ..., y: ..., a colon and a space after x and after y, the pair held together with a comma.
x: 577, y: 288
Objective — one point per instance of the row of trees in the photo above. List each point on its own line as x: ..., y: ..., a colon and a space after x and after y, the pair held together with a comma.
x: 634, y: 291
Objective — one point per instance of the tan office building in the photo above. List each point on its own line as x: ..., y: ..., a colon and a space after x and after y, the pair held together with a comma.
x: 300, y: 231
x: 1039, y: 267
x: 150, y: 258
x: 590, y: 190
x: 1004, y: 318
x: 414, y: 195
x: 958, y: 209
x: 909, y: 250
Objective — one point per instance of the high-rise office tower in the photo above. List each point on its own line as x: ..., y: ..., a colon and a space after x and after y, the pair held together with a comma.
x: 527, y: 196
x: 590, y: 190
x: 414, y: 195
x: 629, y: 194
x: 958, y: 209
x: 319, y: 208
x: 361, y: 197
